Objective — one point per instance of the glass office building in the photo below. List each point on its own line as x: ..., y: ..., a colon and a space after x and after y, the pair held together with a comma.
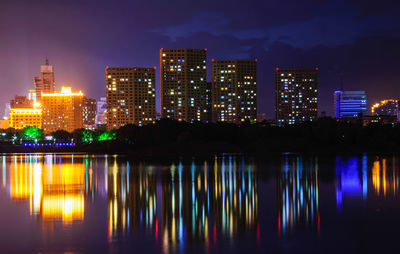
x: 350, y: 104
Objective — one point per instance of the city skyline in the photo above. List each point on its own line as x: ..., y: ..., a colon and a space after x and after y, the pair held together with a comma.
x: 349, y: 41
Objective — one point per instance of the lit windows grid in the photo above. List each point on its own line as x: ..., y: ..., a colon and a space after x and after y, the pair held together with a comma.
x: 234, y: 90
x: 296, y: 95
x: 130, y: 96
x: 62, y: 111
x: 183, y: 84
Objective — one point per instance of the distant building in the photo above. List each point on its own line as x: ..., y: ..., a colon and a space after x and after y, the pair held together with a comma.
x: 89, y: 113
x: 386, y: 108
x: 209, y: 101
x: 183, y: 84
x: 350, y: 104
x: 296, y: 95
x: 44, y: 83
x: 261, y: 117
x: 383, y: 119
x: 21, y: 102
x: 234, y: 90
x: 130, y: 96
x: 32, y: 95
x: 5, y: 123
x: 7, y: 109
x: 62, y: 110
x: 101, y: 108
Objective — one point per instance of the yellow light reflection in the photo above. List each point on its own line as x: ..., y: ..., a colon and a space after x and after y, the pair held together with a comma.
x: 55, y: 192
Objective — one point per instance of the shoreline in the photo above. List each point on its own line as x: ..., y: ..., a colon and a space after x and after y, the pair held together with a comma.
x: 205, y: 150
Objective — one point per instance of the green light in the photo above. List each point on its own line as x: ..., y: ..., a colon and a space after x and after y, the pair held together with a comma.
x: 32, y: 133
x: 87, y: 136
x: 107, y: 135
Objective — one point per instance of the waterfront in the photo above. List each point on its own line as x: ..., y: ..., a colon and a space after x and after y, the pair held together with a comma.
x: 63, y: 203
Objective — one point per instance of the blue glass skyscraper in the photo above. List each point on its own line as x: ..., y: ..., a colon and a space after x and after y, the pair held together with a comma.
x: 350, y: 104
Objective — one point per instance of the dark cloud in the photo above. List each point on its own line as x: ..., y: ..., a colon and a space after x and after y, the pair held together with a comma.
x: 353, y: 39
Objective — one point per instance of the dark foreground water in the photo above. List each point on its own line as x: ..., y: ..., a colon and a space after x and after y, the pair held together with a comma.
x: 230, y: 204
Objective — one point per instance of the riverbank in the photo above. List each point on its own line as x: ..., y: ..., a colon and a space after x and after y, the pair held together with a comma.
x: 257, y: 150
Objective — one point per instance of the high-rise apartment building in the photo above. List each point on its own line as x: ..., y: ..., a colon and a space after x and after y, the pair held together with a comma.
x: 234, y: 90
x: 44, y: 83
x: 386, y: 108
x: 350, y: 104
x: 131, y: 96
x: 62, y: 110
x: 296, y: 95
x: 89, y: 113
x: 183, y: 84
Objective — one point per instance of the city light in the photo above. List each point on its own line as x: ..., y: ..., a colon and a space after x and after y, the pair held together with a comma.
x: 32, y: 133
x: 107, y: 135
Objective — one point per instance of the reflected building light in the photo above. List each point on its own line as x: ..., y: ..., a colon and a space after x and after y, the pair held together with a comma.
x: 54, y: 193
x: 297, y: 195
x: 351, y: 175
x: 184, y: 202
x: 385, y: 180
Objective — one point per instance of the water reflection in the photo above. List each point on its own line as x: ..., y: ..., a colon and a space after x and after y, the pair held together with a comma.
x: 53, y: 190
x: 297, y: 194
x: 184, y: 202
x: 385, y: 177
x: 351, y: 174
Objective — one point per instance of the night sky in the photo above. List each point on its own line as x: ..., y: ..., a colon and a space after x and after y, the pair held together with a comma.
x: 357, y: 41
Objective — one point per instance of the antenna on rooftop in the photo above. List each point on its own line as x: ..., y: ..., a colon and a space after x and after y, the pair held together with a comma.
x: 341, y: 84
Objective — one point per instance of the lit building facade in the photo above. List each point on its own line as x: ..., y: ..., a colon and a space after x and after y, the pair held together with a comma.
x: 44, y: 83
x: 89, y: 113
x: 131, y: 96
x: 386, y: 108
x: 24, y: 113
x: 209, y: 101
x: 101, y: 109
x: 350, y: 104
x: 183, y: 75
x: 296, y: 95
x: 234, y: 90
x: 24, y: 117
x: 62, y: 110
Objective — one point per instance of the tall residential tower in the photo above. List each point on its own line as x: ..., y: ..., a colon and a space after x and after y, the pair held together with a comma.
x: 234, y: 90
x: 183, y: 84
x: 131, y: 96
x: 296, y: 95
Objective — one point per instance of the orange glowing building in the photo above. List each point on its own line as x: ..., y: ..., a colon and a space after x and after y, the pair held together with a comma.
x: 24, y: 117
x: 24, y: 112
x: 62, y: 110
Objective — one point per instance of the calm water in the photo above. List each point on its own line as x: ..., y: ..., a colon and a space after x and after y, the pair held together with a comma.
x: 107, y: 204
